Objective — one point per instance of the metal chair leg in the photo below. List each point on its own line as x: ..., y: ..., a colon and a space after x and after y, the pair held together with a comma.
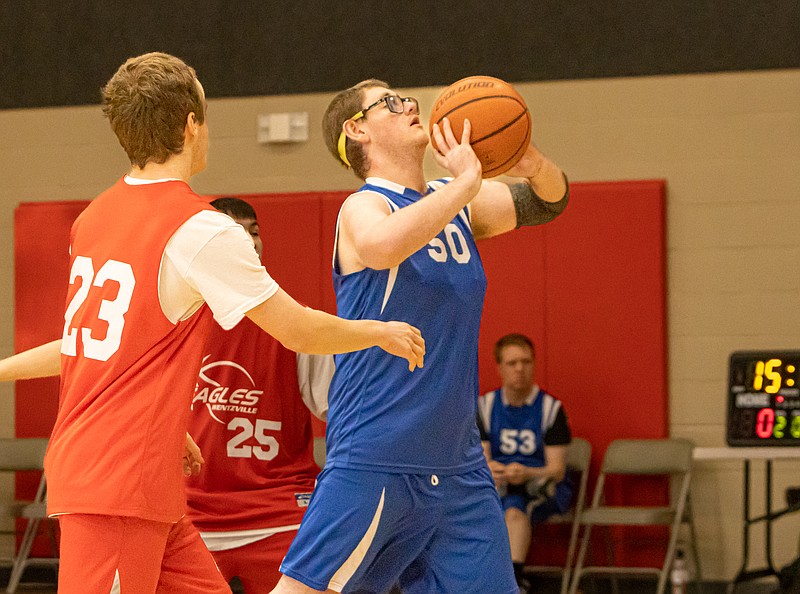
x: 576, y: 574
x: 21, y: 560
x: 573, y: 543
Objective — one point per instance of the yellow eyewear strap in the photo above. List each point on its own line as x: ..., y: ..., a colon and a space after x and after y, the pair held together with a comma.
x: 342, y: 145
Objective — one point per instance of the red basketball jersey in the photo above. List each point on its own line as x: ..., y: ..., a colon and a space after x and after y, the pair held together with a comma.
x: 255, y: 434
x: 128, y: 373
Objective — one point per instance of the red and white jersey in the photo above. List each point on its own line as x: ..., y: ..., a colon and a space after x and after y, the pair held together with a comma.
x: 119, y: 435
x: 254, y: 431
x: 144, y: 258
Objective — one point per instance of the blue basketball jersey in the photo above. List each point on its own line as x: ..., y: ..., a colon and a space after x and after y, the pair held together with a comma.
x: 382, y: 416
x: 516, y: 433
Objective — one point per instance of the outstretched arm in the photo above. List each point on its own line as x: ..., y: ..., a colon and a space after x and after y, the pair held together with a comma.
x: 307, y: 330
x: 41, y: 361
x: 540, y: 197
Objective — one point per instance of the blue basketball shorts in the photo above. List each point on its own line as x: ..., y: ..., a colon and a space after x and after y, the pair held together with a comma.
x: 539, y: 512
x: 367, y: 531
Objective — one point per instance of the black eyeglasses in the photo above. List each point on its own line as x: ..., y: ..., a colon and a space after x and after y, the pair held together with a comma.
x: 394, y: 103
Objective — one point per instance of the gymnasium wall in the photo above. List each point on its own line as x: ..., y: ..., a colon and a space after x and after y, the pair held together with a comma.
x: 254, y: 48
x: 727, y: 145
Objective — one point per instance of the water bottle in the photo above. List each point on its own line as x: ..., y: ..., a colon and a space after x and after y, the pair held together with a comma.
x: 679, y: 576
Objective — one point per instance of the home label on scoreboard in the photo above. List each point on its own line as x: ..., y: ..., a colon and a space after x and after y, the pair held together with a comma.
x: 764, y: 398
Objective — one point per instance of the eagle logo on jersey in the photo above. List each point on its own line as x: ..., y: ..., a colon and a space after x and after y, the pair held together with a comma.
x: 225, y: 398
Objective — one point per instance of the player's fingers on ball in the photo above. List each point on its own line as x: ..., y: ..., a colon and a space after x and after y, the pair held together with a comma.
x: 466, y: 133
x: 438, y: 139
x: 448, y: 133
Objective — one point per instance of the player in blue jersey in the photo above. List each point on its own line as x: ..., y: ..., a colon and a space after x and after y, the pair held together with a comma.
x: 406, y: 495
x: 526, y: 434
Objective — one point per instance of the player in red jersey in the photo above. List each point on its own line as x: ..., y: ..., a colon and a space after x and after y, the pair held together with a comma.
x: 150, y: 264
x: 250, y: 416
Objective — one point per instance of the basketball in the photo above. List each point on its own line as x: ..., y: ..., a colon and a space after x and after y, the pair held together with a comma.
x: 501, y: 122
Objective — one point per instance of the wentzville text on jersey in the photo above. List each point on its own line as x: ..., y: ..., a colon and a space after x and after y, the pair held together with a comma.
x: 241, y: 400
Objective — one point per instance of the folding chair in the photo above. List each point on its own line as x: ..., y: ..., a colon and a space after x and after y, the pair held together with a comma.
x: 579, y: 457
x: 671, y: 457
x: 20, y: 455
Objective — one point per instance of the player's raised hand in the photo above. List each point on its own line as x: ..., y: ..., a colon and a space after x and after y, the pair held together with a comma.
x: 545, y: 176
x: 454, y: 155
x: 403, y: 340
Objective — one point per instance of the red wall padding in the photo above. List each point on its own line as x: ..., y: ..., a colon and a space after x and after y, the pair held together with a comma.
x: 589, y: 288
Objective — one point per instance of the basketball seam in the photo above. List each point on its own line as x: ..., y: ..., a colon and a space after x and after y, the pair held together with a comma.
x: 511, y: 158
x: 460, y: 105
x: 513, y: 155
x: 495, y: 132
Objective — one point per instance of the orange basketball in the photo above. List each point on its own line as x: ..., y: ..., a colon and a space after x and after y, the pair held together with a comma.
x: 501, y: 122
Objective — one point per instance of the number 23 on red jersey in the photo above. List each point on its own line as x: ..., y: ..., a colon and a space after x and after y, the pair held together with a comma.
x: 111, y: 311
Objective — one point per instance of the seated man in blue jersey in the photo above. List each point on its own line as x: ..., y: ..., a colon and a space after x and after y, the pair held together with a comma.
x: 525, y: 436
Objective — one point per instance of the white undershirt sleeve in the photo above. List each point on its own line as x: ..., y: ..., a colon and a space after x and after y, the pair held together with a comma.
x: 211, y: 258
x: 314, y: 373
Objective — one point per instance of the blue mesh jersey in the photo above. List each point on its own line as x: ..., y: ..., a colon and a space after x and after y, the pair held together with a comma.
x: 382, y: 416
x: 520, y: 433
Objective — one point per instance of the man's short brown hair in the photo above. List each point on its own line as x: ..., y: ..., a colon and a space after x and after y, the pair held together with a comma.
x: 342, y: 107
x: 147, y: 102
x: 512, y: 339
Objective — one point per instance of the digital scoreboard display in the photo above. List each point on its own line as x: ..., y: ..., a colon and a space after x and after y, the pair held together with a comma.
x: 764, y: 398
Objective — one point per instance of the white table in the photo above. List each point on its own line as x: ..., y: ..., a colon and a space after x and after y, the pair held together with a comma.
x: 768, y: 454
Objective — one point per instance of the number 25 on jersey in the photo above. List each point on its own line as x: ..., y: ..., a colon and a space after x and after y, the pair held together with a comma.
x: 111, y: 311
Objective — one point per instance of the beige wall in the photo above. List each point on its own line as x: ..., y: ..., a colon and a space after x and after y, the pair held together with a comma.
x: 727, y: 144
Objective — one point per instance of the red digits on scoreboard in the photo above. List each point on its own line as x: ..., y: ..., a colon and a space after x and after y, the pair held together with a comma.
x: 764, y: 423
